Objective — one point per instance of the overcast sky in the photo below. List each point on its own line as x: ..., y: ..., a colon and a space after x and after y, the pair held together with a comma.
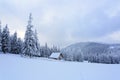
x: 63, y: 22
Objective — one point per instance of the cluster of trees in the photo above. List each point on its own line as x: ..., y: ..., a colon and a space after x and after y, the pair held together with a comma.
x: 78, y: 55
x: 71, y: 54
x: 46, y: 51
x: 92, y: 52
x: 29, y: 47
x: 111, y: 56
x: 9, y: 44
x: 103, y: 58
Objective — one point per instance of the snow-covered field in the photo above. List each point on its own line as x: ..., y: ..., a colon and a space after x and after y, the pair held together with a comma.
x: 14, y: 67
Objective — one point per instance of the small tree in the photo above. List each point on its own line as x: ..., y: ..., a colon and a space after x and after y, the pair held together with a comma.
x: 19, y: 46
x: 37, y: 53
x: 0, y: 37
x: 14, y: 43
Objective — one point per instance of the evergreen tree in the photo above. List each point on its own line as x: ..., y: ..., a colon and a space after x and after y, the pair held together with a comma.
x: 5, y: 40
x: 14, y: 43
x: 47, y: 50
x: 0, y: 37
x: 37, y: 44
x: 19, y: 46
x: 30, y: 42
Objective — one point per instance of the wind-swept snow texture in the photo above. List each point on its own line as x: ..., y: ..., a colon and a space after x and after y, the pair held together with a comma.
x: 14, y: 67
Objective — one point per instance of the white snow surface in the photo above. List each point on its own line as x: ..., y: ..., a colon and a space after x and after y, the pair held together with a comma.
x: 55, y: 55
x: 15, y: 67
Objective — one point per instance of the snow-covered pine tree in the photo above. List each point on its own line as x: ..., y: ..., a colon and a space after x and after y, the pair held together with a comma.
x: 19, y: 46
x: 14, y: 43
x: 6, y: 40
x: 0, y: 37
x: 30, y: 42
x: 47, y: 50
x: 37, y: 44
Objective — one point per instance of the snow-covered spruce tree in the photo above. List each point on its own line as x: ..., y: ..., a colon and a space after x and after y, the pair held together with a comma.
x: 47, y: 50
x: 19, y: 46
x: 0, y: 37
x: 6, y: 40
x: 37, y: 45
x: 14, y: 43
x: 30, y: 48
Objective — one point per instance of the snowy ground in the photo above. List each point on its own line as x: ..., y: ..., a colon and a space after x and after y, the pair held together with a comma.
x: 14, y: 67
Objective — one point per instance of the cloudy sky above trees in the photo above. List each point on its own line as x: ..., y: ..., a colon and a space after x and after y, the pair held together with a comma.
x: 63, y: 22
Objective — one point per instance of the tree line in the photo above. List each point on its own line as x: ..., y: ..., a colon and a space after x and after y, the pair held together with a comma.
x: 93, y: 53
